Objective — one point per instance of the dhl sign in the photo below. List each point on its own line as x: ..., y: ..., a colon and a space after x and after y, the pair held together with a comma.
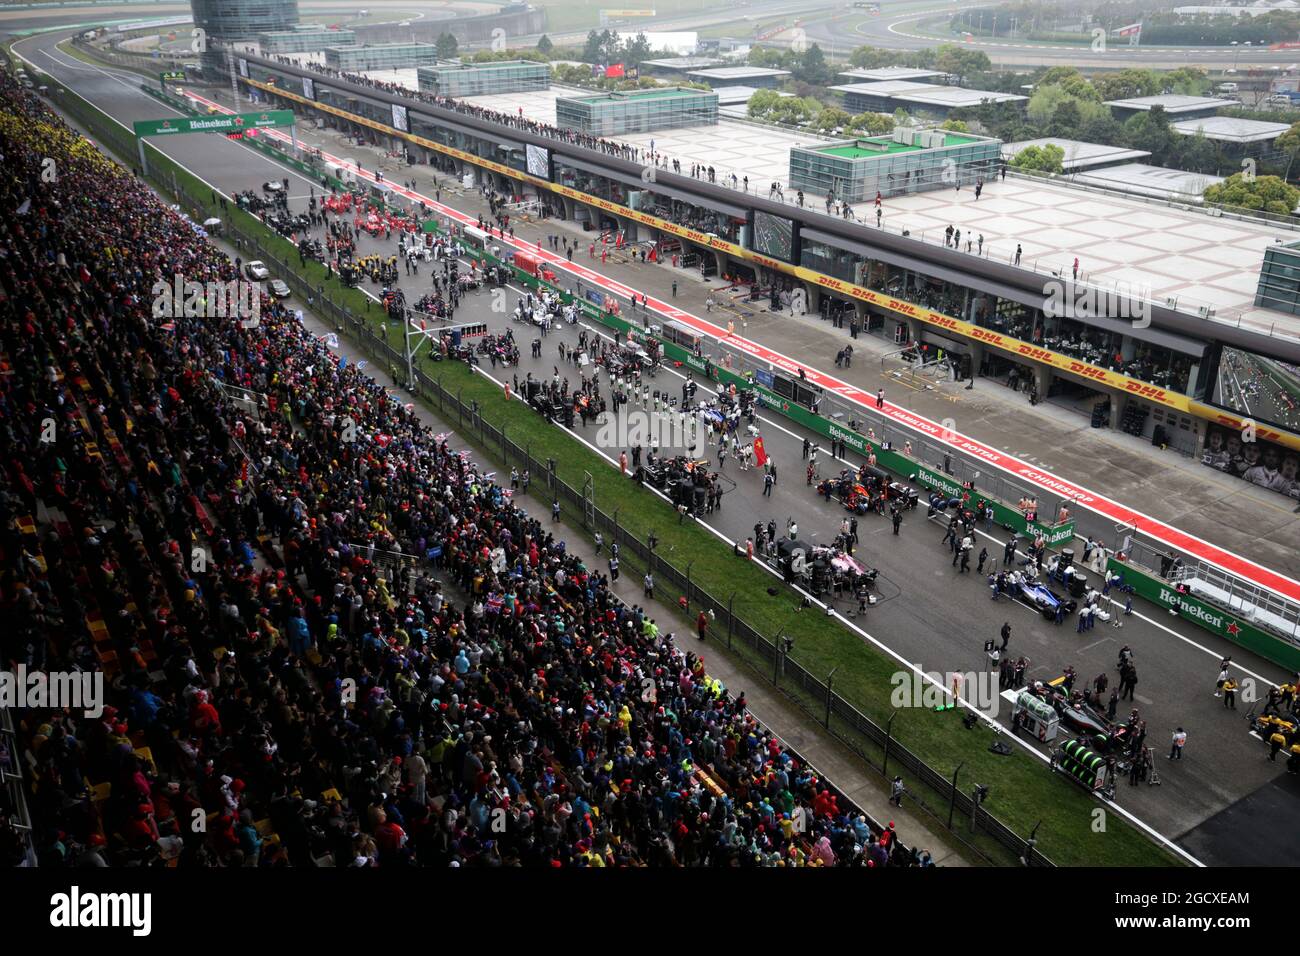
x: 1263, y: 432
x: 899, y: 307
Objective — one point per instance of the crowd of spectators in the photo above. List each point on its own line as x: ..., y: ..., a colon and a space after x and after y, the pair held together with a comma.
x: 328, y: 637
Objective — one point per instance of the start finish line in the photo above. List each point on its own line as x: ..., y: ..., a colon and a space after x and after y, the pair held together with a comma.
x: 224, y: 124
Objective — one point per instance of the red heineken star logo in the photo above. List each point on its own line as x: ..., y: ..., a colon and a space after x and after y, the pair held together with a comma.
x: 239, y: 121
x: 1233, y: 629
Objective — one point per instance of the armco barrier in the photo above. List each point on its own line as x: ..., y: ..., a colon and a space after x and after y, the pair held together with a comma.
x: 938, y: 796
x: 1210, y: 617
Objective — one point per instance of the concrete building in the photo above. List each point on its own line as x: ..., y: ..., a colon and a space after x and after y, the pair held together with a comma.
x: 381, y: 56
x: 1157, y: 182
x: 926, y: 98
x: 678, y: 66
x: 907, y: 161
x: 1176, y: 106
x: 481, y: 79
x: 636, y: 111
x: 1079, y: 156
x: 885, y: 74
x: 1231, y: 131
x: 755, y: 76
x: 307, y: 39
x: 243, y: 19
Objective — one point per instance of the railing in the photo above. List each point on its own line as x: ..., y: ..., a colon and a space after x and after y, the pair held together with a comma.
x: 1263, y: 608
x: 11, y: 782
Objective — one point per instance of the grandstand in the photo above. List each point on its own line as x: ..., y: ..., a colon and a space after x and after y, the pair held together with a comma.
x: 483, y: 701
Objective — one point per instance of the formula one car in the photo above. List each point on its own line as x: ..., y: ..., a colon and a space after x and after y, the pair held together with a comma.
x: 1045, y: 600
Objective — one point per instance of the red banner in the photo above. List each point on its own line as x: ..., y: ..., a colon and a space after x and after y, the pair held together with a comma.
x: 760, y: 453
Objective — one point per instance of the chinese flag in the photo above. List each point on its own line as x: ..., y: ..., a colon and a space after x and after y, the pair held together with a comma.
x: 760, y: 453
x: 614, y: 71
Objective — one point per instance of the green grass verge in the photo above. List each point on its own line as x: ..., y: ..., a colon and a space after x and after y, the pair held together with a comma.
x: 1023, y: 791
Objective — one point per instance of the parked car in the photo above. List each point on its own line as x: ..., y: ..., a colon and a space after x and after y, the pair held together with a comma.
x: 257, y: 270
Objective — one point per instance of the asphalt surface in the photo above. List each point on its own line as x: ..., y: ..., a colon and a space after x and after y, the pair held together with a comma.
x: 929, y: 614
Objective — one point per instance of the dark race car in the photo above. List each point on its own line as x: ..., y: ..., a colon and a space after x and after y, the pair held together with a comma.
x: 1045, y: 600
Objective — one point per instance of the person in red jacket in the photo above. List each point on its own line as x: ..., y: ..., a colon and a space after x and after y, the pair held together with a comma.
x: 702, y: 625
x: 206, y: 721
x: 389, y: 837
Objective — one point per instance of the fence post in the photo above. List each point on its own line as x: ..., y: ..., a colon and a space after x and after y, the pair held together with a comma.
x: 952, y: 797
x: 1028, y: 858
x: 830, y: 682
x: 889, y: 739
x: 731, y: 618
x: 776, y: 659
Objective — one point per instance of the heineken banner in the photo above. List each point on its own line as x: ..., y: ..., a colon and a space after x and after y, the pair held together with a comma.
x: 1210, y: 617
x: 233, y: 123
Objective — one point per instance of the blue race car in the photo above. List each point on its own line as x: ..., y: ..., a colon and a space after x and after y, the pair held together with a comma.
x: 1045, y: 600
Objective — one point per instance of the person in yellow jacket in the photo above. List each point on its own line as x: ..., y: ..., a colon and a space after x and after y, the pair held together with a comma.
x: 1275, y: 743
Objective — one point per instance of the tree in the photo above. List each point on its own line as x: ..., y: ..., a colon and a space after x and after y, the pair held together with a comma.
x: 601, y: 47
x: 1150, y: 131
x: 831, y: 118
x: 812, y: 67
x: 872, y: 58
x: 1126, y: 84
x: 1198, y: 154
x: 762, y: 103
x: 1048, y: 158
x: 445, y: 46
x: 956, y: 126
x: 1067, y: 119
x: 1045, y: 101
x: 1289, y: 145
x: 961, y: 62
x: 545, y: 45
x: 1268, y: 193
x: 636, y: 50
x: 1057, y: 75
x: 1187, y: 80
